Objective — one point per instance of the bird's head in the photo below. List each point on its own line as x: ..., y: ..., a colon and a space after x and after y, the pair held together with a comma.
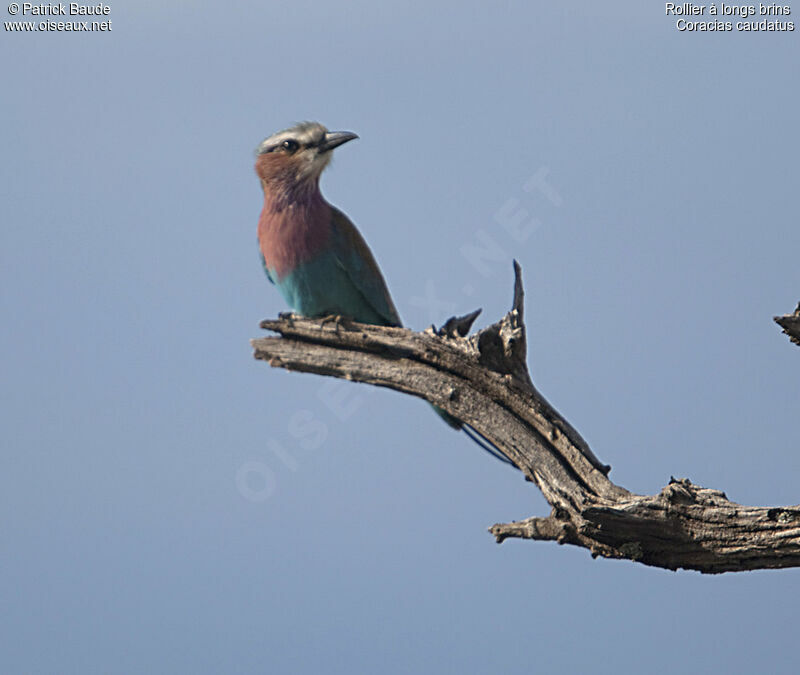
x: 296, y: 157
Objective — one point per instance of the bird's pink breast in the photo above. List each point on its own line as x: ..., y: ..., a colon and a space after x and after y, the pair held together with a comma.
x: 294, y: 235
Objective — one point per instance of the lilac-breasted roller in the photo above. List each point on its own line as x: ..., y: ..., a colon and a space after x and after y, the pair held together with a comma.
x: 310, y: 250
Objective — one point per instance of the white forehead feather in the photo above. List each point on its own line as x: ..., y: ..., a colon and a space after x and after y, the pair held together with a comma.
x: 304, y: 133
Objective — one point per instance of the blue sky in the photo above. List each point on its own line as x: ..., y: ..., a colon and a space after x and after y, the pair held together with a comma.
x: 167, y: 504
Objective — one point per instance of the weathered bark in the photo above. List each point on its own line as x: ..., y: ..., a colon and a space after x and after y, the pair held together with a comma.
x: 790, y: 324
x: 483, y: 380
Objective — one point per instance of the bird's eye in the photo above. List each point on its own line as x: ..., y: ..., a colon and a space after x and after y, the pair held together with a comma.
x: 290, y: 145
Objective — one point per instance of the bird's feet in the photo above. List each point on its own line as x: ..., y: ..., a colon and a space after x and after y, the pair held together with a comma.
x: 338, y: 321
x: 289, y: 317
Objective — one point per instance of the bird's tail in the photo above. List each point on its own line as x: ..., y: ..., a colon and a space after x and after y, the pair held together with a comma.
x: 474, y: 434
x: 451, y: 421
x: 486, y: 444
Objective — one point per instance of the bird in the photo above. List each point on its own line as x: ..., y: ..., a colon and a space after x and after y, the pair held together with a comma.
x: 310, y: 250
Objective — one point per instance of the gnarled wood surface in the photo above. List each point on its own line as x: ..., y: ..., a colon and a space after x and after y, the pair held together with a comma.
x: 483, y: 380
x: 790, y: 324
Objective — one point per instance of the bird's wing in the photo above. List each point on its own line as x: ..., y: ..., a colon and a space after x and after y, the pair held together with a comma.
x: 264, y: 264
x: 354, y: 256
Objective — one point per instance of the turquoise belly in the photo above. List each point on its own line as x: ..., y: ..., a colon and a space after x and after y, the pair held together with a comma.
x: 321, y: 287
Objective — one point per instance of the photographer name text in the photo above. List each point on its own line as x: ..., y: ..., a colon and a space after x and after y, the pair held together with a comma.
x: 61, y: 9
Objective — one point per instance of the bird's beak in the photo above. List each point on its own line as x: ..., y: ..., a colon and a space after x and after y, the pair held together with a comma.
x: 333, y: 139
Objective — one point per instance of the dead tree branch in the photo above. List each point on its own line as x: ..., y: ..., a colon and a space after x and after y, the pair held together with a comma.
x: 483, y: 380
x: 790, y: 324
